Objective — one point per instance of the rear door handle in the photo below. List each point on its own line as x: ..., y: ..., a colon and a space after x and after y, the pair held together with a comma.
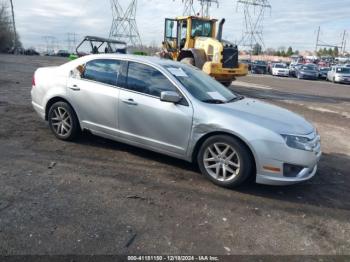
x: 75, y: 88
x: 129, y: 102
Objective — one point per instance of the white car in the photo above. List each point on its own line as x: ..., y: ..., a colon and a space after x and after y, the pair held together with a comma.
x: 280, y: 70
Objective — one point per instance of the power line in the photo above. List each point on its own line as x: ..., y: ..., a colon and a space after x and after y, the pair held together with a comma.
x: 320, y: 43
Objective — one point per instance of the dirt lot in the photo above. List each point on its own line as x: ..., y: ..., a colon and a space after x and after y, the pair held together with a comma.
x: 96, y: 196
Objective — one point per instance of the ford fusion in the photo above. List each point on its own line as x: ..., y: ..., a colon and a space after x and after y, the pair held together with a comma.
x: 177, y: 110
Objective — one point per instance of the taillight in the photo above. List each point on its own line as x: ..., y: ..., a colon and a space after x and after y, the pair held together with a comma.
x: 33, y: 81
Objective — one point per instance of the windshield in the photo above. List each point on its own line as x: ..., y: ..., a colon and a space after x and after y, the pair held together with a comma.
x: 201, y: 28
x: 325, y: 69
x: 343, y: 70
x: 200, y: 85
x: 260, y: 63
x: 309, y: 67
x: 280, y: 66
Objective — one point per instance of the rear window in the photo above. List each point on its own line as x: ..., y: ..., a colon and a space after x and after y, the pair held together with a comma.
x: 103, y: 70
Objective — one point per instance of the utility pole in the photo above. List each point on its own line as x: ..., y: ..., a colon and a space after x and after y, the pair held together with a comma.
x: 343, y: 43
x: 14, y: 29
x: 318, y: 39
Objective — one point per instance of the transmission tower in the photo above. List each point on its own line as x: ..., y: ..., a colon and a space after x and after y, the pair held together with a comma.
x: 254, y: 14
x: 206, y: 4
x: 124, y: 25
x: 189, y: 7
x: 71, y: 41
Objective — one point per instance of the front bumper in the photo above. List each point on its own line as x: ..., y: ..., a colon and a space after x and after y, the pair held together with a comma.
x: 277, y: 155
x: 342, y: 80
x: 281, y: 74
x: 219, y: 73
x: 312, y: 77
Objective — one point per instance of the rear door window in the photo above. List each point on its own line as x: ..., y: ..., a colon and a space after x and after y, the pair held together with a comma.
x: 102, y: 70
x: 147, y: 80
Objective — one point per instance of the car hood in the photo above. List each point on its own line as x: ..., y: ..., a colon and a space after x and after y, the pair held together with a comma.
x: 269, y: 116
x: 308, y: 71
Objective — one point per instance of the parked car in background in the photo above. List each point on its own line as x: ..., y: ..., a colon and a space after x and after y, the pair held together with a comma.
x: 323, y: 72
x: 31, y: 52
x: 259, y: 67
x: 280, y: 69
x: 293, y: 68
x: 153, y: 103
x: 247, y: 62
x: 347, y: 65
x: 339, y: 74
x: 308, y: 71
x: 63, y: 53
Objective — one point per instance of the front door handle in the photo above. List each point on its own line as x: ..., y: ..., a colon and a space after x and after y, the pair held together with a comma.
x: 129, y: 102
x: 75, y: 88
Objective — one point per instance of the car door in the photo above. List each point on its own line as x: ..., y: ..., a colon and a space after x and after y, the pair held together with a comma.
x: 94, y: 95
x: 144, y: 119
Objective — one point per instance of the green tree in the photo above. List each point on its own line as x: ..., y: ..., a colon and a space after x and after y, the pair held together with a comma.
x: 289, y: 51
x: 257, y: 49
x: 330, y: 52
x: 336, y: 51
x: 6, y: 30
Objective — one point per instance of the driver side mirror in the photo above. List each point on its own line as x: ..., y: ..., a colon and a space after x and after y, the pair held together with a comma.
x: 170, y: 97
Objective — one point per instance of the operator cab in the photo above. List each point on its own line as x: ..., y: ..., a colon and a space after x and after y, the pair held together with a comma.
x: 181, y: 32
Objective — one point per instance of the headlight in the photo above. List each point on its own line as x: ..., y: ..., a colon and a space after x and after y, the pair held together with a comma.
x: 297, y: 142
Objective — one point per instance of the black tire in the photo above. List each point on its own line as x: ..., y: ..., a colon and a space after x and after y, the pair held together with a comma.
x: 246, y: 160
x: 227, y: 83
x: 188, y: 61
x: 74, y: 129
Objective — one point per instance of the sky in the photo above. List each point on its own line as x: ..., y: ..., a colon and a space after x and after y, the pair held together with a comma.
x: 289, y: 23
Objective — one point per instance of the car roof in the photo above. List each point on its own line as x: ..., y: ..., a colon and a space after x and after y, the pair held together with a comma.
x: 151, y: 60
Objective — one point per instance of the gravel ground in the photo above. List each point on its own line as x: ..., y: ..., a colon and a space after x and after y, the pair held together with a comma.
x: 96, y: 196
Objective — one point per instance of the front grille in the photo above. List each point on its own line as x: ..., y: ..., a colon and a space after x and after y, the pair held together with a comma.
x: 230, y: 57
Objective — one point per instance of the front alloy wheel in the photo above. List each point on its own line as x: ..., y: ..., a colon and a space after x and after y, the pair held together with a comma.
x: 225, y: 160
x: 221, y: 162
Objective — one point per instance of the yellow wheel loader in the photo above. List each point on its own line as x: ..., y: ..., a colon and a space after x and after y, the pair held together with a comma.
x: 194, y: 40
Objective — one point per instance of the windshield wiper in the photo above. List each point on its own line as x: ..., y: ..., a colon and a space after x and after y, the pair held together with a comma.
x: 237, y: 98
x: 214, y: 101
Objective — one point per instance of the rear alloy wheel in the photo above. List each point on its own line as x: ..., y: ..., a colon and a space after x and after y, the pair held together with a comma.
x: 63, y: 121
x: 225, y: 161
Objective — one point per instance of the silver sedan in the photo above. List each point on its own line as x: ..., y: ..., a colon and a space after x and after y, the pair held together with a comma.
x: 177, y: 110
